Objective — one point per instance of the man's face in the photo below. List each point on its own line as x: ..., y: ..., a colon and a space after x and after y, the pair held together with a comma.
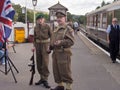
x: 114, y: 22
x: 61, y: 20
x: 41, y: 20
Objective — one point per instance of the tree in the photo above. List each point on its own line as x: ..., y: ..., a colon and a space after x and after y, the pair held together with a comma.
x: 30, y: 16
x: 21, y: 18
x: 45, y: 15
x: 69, y: 16
x: 103, y: 4
x: 82, y: 19
x: 115, y: 0
x: 107, y: 3
x: 18, y: 10
x: 98, y: 7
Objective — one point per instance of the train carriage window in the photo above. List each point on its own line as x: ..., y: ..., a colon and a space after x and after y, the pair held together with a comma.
x: 98, y: 20
x: 117, y: 15
x: 88, y: 20
x: 91, y: 21
x: 109, y: 17
x: 104, y: 21
x: 95, y: 21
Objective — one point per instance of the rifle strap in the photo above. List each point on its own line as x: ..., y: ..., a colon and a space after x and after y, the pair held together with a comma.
x: 65, y: 32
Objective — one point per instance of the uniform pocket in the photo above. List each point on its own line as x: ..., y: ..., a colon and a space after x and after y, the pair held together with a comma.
x: 62, y: 57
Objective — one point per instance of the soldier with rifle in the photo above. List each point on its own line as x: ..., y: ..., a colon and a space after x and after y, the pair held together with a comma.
x: 42, y: 34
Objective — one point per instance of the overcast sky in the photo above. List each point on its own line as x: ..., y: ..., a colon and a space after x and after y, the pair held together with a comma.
x: 79, y: 7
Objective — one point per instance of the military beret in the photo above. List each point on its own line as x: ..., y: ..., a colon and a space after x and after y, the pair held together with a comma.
x: 39, y: 16
x: 60, y: 14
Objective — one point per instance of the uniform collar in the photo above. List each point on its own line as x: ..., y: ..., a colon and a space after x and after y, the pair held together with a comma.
x: 62, y: 26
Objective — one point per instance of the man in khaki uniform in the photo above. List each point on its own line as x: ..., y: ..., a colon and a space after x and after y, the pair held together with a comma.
x: 61, y: 42
x: 42, y: 34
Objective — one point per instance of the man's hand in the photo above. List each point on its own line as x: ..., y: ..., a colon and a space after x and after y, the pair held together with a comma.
x: 33, y: 49
x: 48, y: 50
x: 58, y: 42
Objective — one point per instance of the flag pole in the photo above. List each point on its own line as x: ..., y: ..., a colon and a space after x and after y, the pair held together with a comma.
x: 5, y: 56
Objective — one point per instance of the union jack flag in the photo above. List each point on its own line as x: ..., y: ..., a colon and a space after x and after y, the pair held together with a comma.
x: 1, y: 33
x: 6, y: 16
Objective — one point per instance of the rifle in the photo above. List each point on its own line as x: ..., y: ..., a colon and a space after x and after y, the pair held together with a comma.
x: 32, y: 70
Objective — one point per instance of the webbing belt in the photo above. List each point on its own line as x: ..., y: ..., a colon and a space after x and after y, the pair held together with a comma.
x: 42, y: 41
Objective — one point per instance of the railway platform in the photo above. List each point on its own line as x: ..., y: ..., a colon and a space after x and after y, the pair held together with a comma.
x: 92, y: 69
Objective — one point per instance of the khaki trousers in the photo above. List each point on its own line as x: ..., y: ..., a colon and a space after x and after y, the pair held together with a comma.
x: 62, y: 67
x: 42, y: 59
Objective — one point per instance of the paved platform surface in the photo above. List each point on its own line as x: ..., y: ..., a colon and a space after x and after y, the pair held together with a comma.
x: 91, y: 68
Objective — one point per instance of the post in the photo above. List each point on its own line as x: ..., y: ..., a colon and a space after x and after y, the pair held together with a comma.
x: 26, y: 21
x: 34, y: 4
x: 26, y: 11
x: 26, y: 15
x: 34, y: 17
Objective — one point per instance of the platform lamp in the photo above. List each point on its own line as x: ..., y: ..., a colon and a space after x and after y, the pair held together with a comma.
x: 34, y: 2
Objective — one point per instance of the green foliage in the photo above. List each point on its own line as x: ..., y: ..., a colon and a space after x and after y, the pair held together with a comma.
x: 69, y: 16
x: 107, y: 3
x: 76, y: 18
x: 20, y: 17
x: 30, y: 16
x: 115, y: 0
x: 79, y: 18
x: 98, y: 7
x: 103, y: 4
x: 45, y: 15
x: 18, y: 10
x: 82, y: 19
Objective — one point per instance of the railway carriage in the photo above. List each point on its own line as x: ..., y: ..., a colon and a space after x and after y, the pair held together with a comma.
x: 98, y: 21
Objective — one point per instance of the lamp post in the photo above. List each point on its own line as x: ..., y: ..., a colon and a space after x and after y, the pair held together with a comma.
x: 24, y: 12
x: 34, y: 2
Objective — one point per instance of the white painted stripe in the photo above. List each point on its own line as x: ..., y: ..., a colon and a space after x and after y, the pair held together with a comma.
x: 98, y: 47
x: 95, y: 28
x: 101, y: 29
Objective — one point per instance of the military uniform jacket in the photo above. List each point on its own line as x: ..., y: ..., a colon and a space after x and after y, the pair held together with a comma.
x: 63, y: 33
x: 42, y: 33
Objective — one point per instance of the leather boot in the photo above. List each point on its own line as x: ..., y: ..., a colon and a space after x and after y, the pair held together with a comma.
x: 39, y: 82
x: 46, y: 85
x: 58, y: 88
